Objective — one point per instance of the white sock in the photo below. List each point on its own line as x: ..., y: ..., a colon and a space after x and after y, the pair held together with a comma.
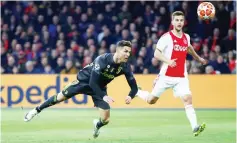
x: 191, y: 115
x: 143, y: 94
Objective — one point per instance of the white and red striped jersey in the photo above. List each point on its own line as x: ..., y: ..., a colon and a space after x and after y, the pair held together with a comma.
x: 173, y: 47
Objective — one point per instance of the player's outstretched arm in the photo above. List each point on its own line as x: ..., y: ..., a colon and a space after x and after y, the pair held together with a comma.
x: 192, y: 52
x: 132, y: 83
x: 158, y: 55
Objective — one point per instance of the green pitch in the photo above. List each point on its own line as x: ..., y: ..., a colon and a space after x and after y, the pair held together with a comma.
x: 126, y: 126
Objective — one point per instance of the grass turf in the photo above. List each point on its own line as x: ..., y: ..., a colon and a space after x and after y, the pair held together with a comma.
x: 126, y: 126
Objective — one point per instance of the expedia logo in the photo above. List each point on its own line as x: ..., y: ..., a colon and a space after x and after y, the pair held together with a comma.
x: 180, y: 48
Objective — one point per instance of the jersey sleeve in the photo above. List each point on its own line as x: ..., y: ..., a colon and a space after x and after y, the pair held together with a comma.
x: 99, y: 64
x: 162, y: 42
x: 188, y: 38
x: 131, y: 81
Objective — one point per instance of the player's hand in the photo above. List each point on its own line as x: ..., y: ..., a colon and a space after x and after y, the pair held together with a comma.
x: 128, y: 100
x: 172, y: 63
x: 203, y: 61
x: 108, y: 99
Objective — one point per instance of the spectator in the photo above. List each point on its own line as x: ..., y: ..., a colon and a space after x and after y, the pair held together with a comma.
x: 70, y: 55
x: 232, y: 19
x: 2, y: 70
x: 107, y: 37
x: 91, y: 15
x: 229, y: 42
x: 69, y: 69
x: 223, y: 19
x: 153, y: 68
x: 74, y: 46
x: 117, y: 33
x: 10, y: 64
x: 145, y: 71
x: 53, y: 58
x: 21, y: 58
x: 149, y: 15
x: 38, y: 25
x: 149, y: 52
x: 210, y: 70
x: 125, y: 35
x: 13, y: 23
x: 53, y: 27
x: 125, y: 23
x: 15, y: 70
x: 60, y: 65
x: 213, y: 60
x: 231, y: 61
x: 3, y: 57
x: 222, y: 66
x: 84, y: 23
x: 93, y: 52
x: 48, y: 70
x: 102, y: 51
x: 43, y: 63
x: 217, y: 50
x: 112, y: 48
x: 195, y: 70
x: 5, y: 40
x: 30, y: 69
x: 108, y: 11
x: 30, y: 29
x: 139, y: 67
x: 205, y: 52
x: 125, y: 14
x: 215, y: 40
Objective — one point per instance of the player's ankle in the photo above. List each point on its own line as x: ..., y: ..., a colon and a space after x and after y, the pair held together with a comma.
x: 38, y: 109
x: 101, y: 123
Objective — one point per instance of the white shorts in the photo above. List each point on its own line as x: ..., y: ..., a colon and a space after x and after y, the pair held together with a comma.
x: 179, y: 85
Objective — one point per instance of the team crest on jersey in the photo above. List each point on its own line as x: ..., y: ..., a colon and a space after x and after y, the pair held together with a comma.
x: 97, y: 66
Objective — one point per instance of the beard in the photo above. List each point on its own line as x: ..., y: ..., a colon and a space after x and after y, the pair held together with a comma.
x: 177, y: 29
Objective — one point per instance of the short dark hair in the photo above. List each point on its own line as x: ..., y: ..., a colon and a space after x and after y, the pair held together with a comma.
x: 177, y: 13
x: 123, y: 43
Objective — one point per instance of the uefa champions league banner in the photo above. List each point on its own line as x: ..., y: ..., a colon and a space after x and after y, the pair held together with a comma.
x: 209, y: 91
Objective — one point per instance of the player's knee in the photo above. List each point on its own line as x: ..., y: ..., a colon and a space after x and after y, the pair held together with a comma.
x: 187, y: 99
x: 105, y: 121
x: 61, y: 97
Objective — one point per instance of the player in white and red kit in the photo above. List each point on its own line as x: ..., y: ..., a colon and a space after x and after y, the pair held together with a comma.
x: 172, y: 49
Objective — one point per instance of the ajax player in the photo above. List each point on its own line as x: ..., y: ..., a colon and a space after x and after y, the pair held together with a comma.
x: 172, y: 49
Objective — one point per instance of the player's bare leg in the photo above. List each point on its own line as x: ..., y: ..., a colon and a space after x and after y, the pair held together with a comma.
x: 191, y: 115
x: 146, y: 96
x: 49, y: 102
x: 98, y: 123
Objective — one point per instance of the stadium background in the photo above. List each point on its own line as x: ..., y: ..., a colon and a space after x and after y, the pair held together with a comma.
x: 44, y: 44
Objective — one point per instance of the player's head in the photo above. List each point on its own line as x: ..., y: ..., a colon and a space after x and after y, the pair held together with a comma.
x: 178, y: 20
x: 123, y: 50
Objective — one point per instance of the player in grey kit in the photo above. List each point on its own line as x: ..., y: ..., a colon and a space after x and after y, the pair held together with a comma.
x: 92, y: 80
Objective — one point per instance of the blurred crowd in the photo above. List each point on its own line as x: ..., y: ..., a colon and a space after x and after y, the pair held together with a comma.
x: 62, y: 37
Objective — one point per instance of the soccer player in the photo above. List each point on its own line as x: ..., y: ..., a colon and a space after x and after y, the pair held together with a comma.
x: 92, y: 80
x: 172, y: 49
